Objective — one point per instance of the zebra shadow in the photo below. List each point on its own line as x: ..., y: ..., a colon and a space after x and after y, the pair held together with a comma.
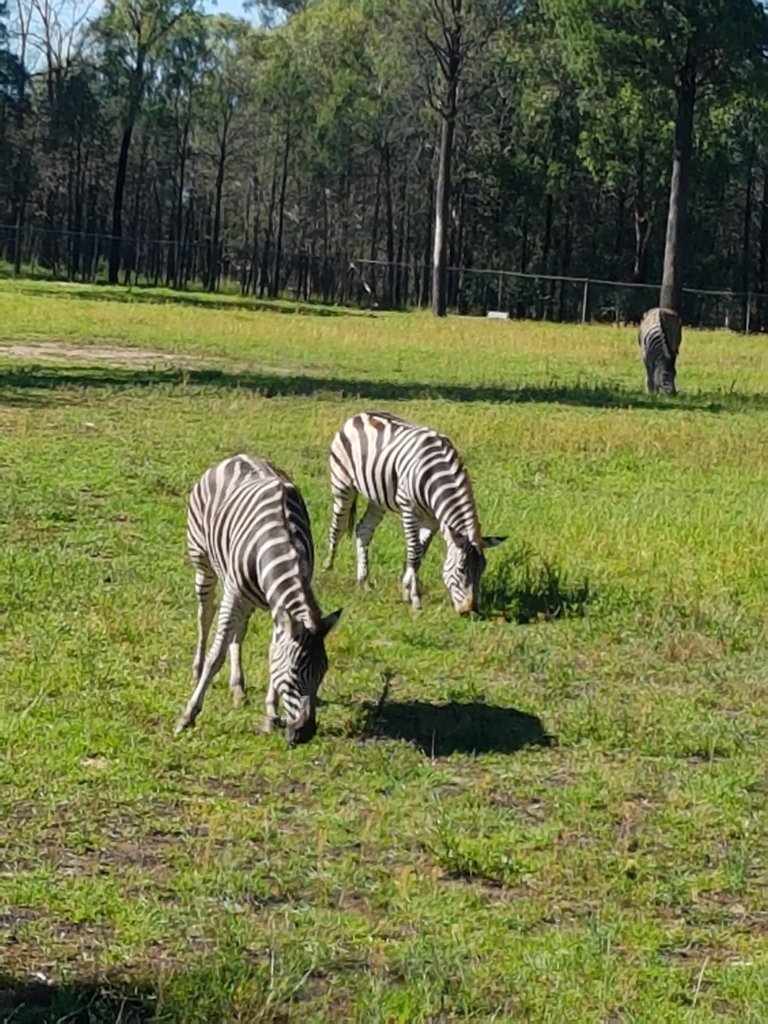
x: 27, y: 999
x: 439, y: 730
x: 523, y: 588
x: 38, y: 384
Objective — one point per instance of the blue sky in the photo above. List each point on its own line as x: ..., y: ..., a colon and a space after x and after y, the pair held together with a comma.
x: 233, y: 7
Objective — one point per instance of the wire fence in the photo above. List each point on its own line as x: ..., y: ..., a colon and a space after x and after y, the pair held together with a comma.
x: 344, y: 279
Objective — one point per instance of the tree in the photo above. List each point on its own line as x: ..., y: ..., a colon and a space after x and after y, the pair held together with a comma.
x: 131, y: 35
x: 685, y: 46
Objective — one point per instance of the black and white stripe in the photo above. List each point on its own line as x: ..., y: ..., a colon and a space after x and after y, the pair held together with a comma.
x: 659, y: 340
x: 248, y: 527
x: 417, y: 473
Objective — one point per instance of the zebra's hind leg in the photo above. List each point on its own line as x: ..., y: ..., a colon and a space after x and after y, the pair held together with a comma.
x: 205, y: 587
x: 229, y: 613
x: 236, y: 676
x: 343, y: 511
x: 364, y: 532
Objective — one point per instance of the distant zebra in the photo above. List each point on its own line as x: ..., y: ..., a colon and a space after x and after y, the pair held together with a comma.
x: 248, y: 526
x: 659, y: 341
x: 417, y: 473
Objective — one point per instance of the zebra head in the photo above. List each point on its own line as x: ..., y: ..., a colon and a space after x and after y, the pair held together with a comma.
x: 297, y: 664
x: 463, y: 568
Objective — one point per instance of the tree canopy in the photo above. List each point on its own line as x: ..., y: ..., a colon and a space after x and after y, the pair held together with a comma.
x: 310, y: 144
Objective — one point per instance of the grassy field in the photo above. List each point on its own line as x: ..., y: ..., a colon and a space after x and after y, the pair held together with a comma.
x: 553, y: 812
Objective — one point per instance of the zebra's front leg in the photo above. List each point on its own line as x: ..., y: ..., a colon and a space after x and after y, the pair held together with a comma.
x: 417, y: 541
x: 205, y: 586
x: 272, y: 713
x: 363, y: 536
x: 228, y: 616
x: 236, y: 676
x: 343, y: 503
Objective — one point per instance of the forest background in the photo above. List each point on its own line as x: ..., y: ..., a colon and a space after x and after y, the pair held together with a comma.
x: 356, y: 150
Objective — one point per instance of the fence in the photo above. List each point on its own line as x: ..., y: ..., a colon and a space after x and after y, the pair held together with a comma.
x: 340, y: 278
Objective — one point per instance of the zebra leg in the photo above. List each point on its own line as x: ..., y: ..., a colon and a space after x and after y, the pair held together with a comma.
x: 205, y: 586
x: 236, y: 677
x: 363, y: 536
x: 229, y: 614
x: 272, y: 713
x: 417, y: 539
x: 343, y: 505
x: 426, y: 533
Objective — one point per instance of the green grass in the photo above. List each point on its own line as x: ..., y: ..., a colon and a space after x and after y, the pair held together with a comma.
x: 555, y: 812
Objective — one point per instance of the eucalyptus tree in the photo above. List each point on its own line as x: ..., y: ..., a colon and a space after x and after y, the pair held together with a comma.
x: 131, y: 36
x: 223, y: 121
x: 16, y: 167
x: 685, y: 46
x: 445, y: 38
x: 623, y: 144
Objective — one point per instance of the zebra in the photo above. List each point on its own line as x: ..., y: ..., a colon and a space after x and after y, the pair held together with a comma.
x: 416, y: 472
x: 248, y: 527
x: 659, y: 341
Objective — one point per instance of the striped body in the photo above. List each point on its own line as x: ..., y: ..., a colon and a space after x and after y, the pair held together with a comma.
x: 659, y: 340
x: 248, y: 527
x: 416, y: 473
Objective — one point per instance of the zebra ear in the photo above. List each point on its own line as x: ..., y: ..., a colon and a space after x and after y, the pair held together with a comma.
x: 327, y: 624
x: 492, y: 542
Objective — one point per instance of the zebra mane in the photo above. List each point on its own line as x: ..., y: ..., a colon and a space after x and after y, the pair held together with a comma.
x: 312, y: 614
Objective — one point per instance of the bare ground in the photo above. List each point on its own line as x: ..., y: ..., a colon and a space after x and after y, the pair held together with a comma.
x: 113, y: 354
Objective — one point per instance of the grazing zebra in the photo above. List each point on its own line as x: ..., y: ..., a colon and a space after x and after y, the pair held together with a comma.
x: 248, y: 526
x: 417, y: 473
x: 659, y: 340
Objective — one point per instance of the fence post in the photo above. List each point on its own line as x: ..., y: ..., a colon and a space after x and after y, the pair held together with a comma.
x: 749, y: 310
x: 498, y: 293
x: 585, y: 301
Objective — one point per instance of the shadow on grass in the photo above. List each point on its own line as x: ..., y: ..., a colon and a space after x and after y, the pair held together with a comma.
x: 28, y: 1001
x: 30, y: 385
x: 199, y: 300
x: 524, y: 590
x: 442, y: 729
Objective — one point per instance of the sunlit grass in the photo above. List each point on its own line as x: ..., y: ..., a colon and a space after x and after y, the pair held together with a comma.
x: 554, y: 812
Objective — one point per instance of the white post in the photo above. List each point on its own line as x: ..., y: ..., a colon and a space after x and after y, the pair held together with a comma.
x: 585, y: 301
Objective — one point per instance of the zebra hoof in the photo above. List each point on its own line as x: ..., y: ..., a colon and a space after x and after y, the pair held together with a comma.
x: 185, y: 722
x: 238, y: 696
x: 416, y: 604
x: 270, y: 724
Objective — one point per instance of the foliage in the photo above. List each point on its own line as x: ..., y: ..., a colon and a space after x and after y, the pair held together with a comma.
x: 560, y: 155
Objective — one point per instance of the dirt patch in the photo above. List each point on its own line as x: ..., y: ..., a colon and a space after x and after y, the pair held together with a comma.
x: 115, y: 355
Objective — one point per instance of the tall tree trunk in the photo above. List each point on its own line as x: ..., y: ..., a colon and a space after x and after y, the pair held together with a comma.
x: 746, y: 243
x: 762, y: 272
x: 218, y: 188
x: 389, y: 210
x: 442, y: 200
x: 264, y: 272
x: 677, y: 218
x: 275, y: 284
x: 178, y: 224
x: 115, y: 245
